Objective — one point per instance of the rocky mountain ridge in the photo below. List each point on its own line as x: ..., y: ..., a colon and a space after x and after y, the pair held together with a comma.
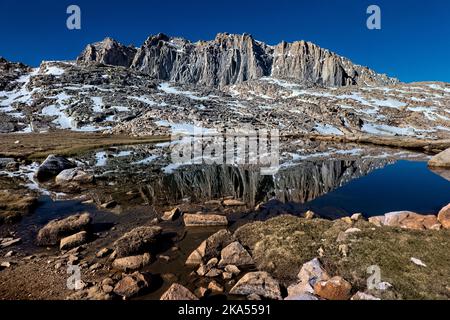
x: 232, y: 59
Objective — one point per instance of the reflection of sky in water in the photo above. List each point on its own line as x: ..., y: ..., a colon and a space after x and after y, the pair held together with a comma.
x: 405, y: 185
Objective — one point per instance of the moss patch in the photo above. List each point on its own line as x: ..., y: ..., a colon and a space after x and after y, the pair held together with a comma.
x: 281, y: 245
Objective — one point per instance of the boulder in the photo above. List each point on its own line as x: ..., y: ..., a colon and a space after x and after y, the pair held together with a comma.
x: 73, y: 241
x: 444, y: 217
x: 103, y: 252
x: 131, y: 263
x: 136, y: 241
x: 179, y: 293
x: 441, y: 160
x: 57, y: 229
x: 406, y: 220
x: 52, y: 166
x: 235, y: 254
x: 171, y: 215
x: 215, y: 287
x: 73, y: 176
x: 200, y: 220
x: 260, y: 283
x: 310, y: 273
x: 210, y: 248
x: 309, y: 215
x: 335, y: 288
x: 132, y: 285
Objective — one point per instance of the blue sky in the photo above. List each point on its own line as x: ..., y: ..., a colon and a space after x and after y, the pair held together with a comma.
x: 413, y: 45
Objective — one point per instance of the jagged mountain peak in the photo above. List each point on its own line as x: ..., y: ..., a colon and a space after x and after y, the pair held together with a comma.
x: 231, y: 59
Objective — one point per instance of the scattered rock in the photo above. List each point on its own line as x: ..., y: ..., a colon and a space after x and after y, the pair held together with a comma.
x: 103, y: 252
x: 210, y: 248
x: 232, y: 269
x: 444, y: 216
x: 309, y: 215
x: 73, y: 241
x: 199, y: 220
x: 93, y: 293
x: 214, y: 272
x: 55, y: 230
x: 357, y: 217
x: 5, y: 264
x: 233, y: 203
x: 260, y: 283
x: 95, y: 266
x: 215, y: 287
x: 201, y: 292
x: 235, y: 254
x: 335, y: 288
x: 171, y: 215
x: 227, y: 276
x: 9, y: 254
x: 406, y: 220
x: 136, y: 241
x: 132, y: 285
x: 179, y: 293
x: 51, y: 167
x: 418, y: 262
x: 9, y: 242
x: 212, y: 262
x: 363, y: 296
x: 131, y: 263
x: 310, y: 273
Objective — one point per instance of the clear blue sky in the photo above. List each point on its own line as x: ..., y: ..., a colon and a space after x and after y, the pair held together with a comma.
x: 413, y: 45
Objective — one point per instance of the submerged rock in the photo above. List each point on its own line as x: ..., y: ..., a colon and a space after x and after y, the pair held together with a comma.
x: 198, y: 220
x: 260, y: 283
x: 57, y: 229
x: 179, y: 293
x: 52, y: 166
x: 73, y: 241
x: 136, y: 241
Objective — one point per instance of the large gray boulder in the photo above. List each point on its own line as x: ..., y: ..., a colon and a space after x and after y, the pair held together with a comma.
x: 52, y: 166
x: 136, y: 241
x: 57, y: 229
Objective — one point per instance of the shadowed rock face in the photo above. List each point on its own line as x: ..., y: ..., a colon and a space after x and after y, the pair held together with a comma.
x: 109, y: 52
x: 299, y: 184
x: 232, y: 59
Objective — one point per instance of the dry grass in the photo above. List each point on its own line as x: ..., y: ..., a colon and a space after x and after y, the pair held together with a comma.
x: 65, y: 143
